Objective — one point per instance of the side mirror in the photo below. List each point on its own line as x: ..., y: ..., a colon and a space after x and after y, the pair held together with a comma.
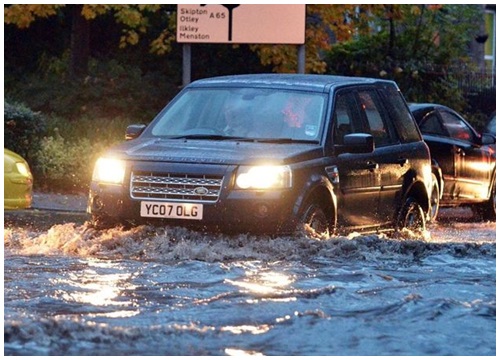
x: 133, y: 131
x: 488, y: 139
x: 357, y: 144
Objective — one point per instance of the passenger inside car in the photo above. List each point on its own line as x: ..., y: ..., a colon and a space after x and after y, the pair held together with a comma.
x: 301, y: 116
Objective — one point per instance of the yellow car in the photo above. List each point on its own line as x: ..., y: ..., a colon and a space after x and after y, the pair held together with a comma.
x: 18, y: 181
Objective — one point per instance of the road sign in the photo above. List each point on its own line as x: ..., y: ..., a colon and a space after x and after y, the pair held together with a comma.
x: 250, y: 24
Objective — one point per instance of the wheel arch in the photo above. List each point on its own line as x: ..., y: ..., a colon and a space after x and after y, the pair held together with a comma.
x: 418, y: 191
x: 493, y: 180
x: 320, y: 191
x: 436, y: 170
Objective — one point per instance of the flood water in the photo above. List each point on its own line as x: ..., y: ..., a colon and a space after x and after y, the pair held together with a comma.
x: 72, y: 290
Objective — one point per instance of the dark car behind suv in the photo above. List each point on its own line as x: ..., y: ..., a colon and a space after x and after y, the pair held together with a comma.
x: 463, y: 161
x: 271, y: 153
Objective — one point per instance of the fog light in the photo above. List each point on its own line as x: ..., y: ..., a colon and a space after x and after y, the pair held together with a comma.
x: 262, y: 210
x: 97, y: 203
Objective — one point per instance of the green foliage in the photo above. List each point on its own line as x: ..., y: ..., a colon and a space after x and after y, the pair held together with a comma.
x: 61, y: 154
x: 422, y: 49
x: 67, y: 154
x: 418, y: 81
x: 23, y: 129
x: 111, y: 90
x: 64, y: 166
x: 481, y: 106
x: 99, y: 130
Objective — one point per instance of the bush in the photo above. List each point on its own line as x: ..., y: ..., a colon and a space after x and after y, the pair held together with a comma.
x: 418, y: 80
x: 67, y: 154
x: 64, y: 166
x: 61, y: 153
x: 23, y: 129
x: 97, y: 129
x: 110, y: 90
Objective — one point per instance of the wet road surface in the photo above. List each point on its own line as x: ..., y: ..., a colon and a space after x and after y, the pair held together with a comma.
x: 72, y: 290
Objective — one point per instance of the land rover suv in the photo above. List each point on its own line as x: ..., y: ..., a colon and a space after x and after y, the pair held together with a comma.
x: 271, y: 153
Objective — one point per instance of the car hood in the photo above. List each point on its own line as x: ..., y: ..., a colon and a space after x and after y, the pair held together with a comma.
x: 228, y: 152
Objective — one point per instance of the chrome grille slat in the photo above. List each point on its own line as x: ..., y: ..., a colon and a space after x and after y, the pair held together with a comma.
x: 177, y: 187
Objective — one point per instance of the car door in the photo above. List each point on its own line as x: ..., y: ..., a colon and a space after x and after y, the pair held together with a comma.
x: 359, y: 176
x: 472, y: 160
x: 392, y: 164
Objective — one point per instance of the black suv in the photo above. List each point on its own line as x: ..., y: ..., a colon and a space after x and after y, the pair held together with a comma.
x: 272, y: 153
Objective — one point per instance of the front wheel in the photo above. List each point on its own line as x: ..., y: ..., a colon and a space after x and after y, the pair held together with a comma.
x: 412, y: 216
x: 314, y: 220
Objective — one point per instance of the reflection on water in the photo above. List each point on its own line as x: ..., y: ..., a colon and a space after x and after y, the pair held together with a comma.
x: 264, y: 283
x: 99, y: 284
x: 239, y: 352
x: 251, y: 329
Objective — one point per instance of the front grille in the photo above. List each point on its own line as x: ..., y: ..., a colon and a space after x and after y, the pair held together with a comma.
x: 167, y: 186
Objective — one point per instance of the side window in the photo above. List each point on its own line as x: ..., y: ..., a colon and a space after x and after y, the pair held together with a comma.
x: 373, y: 111
x: 456, y: 127
x: 432, y: 126
x: 343, y: 118
x: 400, y: 115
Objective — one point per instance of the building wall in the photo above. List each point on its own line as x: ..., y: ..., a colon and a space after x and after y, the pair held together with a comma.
x: 489, y: 45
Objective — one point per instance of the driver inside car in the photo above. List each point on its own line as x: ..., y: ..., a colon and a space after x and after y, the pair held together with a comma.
x: 236, y: 120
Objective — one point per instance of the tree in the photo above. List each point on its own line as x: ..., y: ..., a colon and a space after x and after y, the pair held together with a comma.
x: 325, y: 23
x: 132, y: 17
x: 422, y: 47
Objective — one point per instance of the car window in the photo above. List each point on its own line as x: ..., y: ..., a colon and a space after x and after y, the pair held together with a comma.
x: 247, y: 112
x: 400, y: 115
x: 432, y: 126
x: 343, y: 117
x: 371, y: 107
x: 456, y: 127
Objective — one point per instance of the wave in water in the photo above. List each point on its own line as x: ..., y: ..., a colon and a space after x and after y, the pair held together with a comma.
x: 148, y: 243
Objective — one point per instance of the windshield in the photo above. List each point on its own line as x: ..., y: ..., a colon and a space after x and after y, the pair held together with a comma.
x: 243, y: 114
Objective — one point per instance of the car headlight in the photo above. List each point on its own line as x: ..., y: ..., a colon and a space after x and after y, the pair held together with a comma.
x: 23, y: 169
x: 264, y: 177
x: 108, y: 170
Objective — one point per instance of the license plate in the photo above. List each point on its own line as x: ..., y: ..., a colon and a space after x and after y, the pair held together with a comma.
x: 171, y: 210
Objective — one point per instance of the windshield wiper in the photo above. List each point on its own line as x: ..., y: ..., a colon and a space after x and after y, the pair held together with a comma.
x: 286, y: 141
x: 248, y: 139
x: 213, y: 137
x: 208, y: 137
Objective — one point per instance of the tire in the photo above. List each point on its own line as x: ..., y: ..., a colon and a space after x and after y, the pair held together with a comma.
x: 412, y: 216
x: 487, y: 211
x: 314, y: 218
x: 435, y: 198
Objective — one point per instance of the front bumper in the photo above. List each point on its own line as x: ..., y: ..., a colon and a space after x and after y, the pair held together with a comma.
x: 235, y: 210
x: 18, y: 192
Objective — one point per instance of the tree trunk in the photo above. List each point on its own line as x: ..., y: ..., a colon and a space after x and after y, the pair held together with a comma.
x: 80, y: 43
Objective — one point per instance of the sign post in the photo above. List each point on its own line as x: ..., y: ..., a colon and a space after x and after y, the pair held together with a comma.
x: 240, y: 24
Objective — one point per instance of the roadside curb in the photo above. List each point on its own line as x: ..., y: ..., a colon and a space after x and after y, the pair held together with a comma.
x: 59, y: 202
